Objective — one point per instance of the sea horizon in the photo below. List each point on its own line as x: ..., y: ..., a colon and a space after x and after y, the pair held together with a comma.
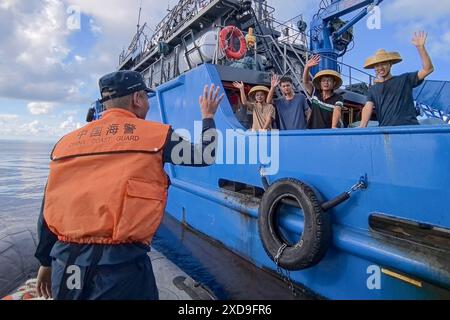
x: 30, y: 140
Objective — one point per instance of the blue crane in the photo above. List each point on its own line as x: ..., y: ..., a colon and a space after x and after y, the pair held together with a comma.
x: 330, y: 36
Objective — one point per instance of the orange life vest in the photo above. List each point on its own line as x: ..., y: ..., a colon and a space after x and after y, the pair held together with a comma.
x: 107, y: 183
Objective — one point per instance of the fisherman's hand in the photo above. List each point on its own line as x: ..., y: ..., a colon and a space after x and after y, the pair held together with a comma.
x: 209, y: 101
x: 239, y: 85
x: 419, y: 39
x: 314, y: 61
x: 44, y: 282
x: 275, y: 81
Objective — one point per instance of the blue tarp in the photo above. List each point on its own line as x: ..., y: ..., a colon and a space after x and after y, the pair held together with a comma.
x: 434, y: 94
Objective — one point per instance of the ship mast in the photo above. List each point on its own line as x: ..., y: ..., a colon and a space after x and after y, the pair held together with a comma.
x: 260, y: 8
x: 139, y: 18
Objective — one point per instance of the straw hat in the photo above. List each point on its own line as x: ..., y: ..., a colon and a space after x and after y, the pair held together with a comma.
x: 328, y: 73
x: 258, y: 88
x: 382, y: 56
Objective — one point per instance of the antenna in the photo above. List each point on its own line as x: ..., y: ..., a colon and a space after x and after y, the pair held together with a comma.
x: 260, y: 8
x: 139, y: 17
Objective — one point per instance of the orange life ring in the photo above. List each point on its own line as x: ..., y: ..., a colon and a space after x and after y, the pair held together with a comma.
x: 226, y: 36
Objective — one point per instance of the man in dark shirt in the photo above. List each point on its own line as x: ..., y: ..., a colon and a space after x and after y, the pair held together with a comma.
x: 292, y: 109
x: 326, y: 104
x: 392, y: 96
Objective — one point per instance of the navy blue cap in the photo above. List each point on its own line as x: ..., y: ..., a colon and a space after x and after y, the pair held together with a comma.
x: 121, y: 83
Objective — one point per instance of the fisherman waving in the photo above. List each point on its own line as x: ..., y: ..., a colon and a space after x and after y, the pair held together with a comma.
x: 326, y: 103
x: 392, y: 96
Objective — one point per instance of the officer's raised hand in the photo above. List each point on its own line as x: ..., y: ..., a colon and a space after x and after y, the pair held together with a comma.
x: 210, y: 101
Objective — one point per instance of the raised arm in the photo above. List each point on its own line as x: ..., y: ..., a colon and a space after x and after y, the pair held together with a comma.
x: 419, y: 41
x: 275, y: 81
x: 179, y: 151
x: 314, y: 61
x: 240, y: 86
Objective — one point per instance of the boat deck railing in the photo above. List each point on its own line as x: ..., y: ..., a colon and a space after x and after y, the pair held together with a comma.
x: 291, y: 55
x: 138, y: 44
x: 177, y: 17
x: 289, y: 34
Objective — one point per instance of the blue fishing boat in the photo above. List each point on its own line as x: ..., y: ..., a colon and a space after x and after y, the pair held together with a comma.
x: 344, y: 214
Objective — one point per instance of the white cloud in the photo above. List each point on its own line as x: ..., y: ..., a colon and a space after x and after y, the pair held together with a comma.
x: 12, y: 125
x: 70, y: 112
x: 432, y: 16
x: 34, y: 127
x: 16, y: 127
x: 40, y: 36
x: 116, y: 23
x: 70, y: 124
x: 38, y: 108
x: 34, y: 63
x: 9, y: 124
x: 79, y: 59
x: 407, y: 10
x: 37, y: 63
x: 441, y: 48
x: 6, y: 4
x: 94, y: 27
x: 288, y: 9
x: 4, y: 118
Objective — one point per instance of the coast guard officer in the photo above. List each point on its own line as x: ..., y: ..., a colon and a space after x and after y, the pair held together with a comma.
x: 106, y: 195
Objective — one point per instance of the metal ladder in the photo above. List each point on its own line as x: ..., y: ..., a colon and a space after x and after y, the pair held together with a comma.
x: 288, y: 68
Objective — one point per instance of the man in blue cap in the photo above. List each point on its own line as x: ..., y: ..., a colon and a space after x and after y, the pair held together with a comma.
x: 106, y: 195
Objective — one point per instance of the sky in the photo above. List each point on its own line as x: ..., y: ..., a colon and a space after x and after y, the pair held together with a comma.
x: 53, y: 52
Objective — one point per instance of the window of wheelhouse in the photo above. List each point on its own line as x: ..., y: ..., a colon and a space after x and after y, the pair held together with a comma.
x: 244, y: 117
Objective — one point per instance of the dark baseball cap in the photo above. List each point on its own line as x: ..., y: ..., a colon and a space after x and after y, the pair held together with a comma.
x: 121, y: 83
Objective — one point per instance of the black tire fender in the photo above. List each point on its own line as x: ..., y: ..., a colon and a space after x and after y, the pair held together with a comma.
x: 316, y: 236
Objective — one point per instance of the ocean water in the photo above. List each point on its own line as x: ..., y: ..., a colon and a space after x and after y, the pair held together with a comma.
x: 23, y: 173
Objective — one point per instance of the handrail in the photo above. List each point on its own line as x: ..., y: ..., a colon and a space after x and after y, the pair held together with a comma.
x: 258, y: 25
x: 289, y: 65
x: 371, y: 77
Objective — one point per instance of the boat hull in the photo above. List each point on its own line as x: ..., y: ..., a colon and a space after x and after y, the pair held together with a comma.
x: 407, y: 174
